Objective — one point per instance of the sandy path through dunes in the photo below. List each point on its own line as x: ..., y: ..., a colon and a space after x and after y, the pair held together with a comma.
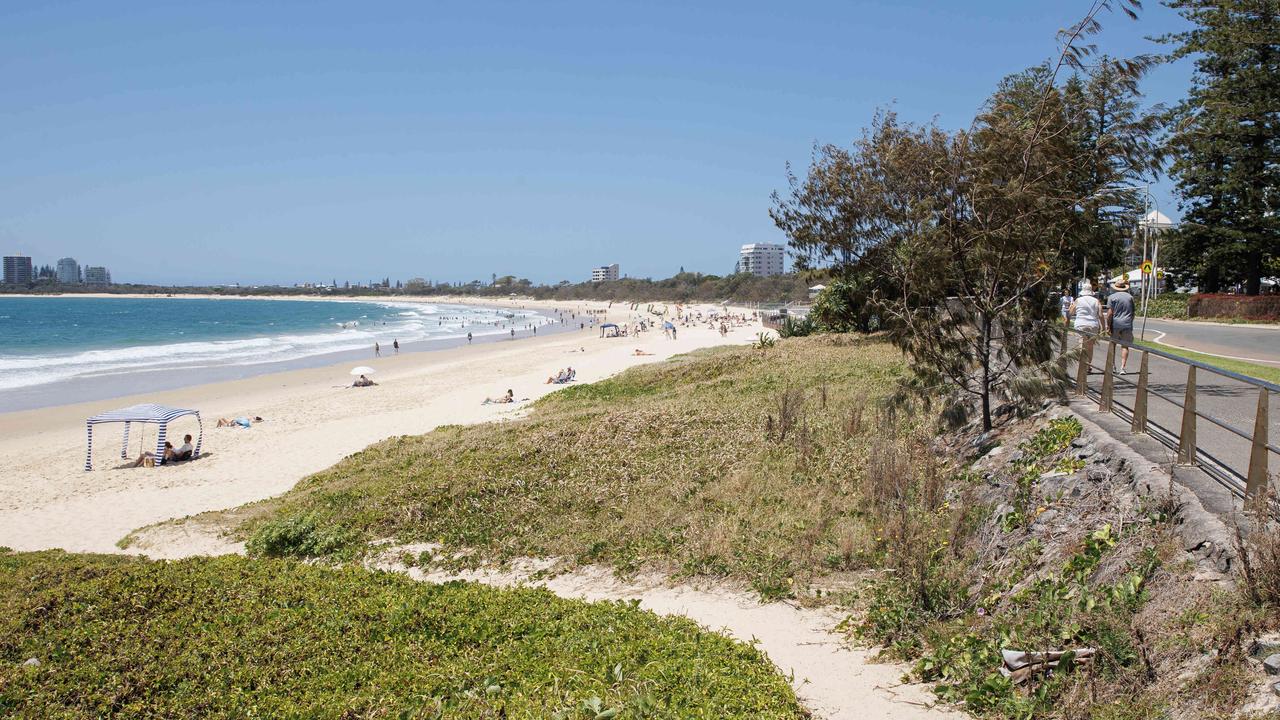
x: 833, y: 680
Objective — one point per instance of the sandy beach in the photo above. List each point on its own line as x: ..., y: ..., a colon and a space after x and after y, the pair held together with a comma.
x: 312, y: 420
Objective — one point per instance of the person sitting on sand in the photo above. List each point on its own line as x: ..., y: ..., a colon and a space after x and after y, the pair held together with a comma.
x: 510, y: 397
x: 148, y: 458
x: 241, y: 422
x: 363, y: 381
x: 184, y: 452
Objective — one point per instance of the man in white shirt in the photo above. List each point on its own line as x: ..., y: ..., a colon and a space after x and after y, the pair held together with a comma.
x: 184, y: 452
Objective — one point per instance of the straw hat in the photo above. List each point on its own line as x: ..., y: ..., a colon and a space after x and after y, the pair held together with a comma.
x: 1122, y: 285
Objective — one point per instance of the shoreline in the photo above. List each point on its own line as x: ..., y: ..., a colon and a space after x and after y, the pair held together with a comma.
x: 85, y: 388
x: 312, y: 420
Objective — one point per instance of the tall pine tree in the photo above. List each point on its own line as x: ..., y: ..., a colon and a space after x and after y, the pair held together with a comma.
x: 1226, y: 142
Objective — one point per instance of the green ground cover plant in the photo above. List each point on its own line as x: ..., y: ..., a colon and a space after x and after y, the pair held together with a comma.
x: 235, y: 638
x: 744, y: 462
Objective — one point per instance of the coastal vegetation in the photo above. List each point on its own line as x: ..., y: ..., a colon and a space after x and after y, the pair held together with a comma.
x: 736, y: 462
x: 110, y: 636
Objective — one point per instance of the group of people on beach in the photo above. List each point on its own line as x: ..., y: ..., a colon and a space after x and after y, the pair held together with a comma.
x: 562, y: 377
x: 171, y: 454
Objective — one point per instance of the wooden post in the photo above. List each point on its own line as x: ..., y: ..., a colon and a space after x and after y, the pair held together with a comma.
x: 1140, y: 399
x: 1256, y: 485
x: 1187, y: 439
x: 1082, y: 366
x: 1108, y: 381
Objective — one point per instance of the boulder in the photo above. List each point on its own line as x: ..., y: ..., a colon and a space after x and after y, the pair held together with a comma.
x: 1264, y: 645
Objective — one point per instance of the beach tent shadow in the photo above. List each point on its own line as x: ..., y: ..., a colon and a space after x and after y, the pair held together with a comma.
x: 129, y: 464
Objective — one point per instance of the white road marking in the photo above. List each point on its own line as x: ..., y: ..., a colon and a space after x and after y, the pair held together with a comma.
x: 1159, y: 341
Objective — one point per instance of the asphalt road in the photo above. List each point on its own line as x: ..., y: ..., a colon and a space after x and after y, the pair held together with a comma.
x: 1256, y: 343
x: 1233, y: 402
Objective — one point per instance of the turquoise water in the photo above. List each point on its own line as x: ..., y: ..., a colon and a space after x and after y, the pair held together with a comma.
x: 45, y: 341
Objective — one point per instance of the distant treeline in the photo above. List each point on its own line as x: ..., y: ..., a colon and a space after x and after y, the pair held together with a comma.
x: 684, y: 287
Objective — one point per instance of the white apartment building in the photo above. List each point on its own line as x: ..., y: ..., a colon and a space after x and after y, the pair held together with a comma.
x: 604, y: 273
x: 762, y: 259
x: 96, y: 275
x: 68, y: 271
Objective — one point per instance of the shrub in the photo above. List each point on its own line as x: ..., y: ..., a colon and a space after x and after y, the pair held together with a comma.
x: 295, y: 536
x: 1168, y: 305
x: 1240, y: 307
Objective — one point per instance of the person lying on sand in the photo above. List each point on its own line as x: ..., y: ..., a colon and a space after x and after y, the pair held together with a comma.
x: 510, y: 397
x: 640, y: 352
x: 363, y: 381
x: 241, y: 422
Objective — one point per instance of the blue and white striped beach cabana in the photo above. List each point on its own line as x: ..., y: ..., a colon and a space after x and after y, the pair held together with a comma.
x: 149, y: 413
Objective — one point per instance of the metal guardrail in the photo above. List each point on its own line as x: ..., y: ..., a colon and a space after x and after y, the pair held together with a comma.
x: 1251, y: 485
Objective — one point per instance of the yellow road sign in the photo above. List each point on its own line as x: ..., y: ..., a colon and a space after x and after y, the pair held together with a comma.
x: 1146, y: 267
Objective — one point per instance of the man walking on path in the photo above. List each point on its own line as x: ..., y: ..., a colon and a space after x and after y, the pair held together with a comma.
x: 1120, y: 319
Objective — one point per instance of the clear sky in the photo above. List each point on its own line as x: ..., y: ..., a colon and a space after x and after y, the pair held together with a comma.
x: 291, y: 141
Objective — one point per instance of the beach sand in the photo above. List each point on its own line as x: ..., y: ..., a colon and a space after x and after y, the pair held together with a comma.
x: 312, y: 420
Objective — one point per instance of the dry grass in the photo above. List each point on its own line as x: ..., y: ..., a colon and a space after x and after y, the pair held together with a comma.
x: 732, y: 462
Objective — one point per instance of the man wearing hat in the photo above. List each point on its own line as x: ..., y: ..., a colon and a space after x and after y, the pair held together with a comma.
x: 1120, y: 318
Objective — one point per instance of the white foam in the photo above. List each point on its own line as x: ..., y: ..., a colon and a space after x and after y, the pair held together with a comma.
x: 413, y: 323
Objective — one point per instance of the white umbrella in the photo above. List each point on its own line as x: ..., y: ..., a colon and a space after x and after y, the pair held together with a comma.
x: 362, y: 370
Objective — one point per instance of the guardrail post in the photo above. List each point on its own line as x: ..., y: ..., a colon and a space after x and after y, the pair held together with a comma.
x: 1256, y: 485
x: 1140, y: 399
x: 1187, y: 439
x: 1108, y: 381
x: 1083, y: 364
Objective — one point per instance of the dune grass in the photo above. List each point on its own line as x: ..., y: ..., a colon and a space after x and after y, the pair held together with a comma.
x: 236, y: 638
x: 740, y: 462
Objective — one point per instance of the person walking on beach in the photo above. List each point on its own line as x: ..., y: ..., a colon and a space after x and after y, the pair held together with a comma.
x: 377, y: 350
x: 468, y: 338
x: 1120, y: 319
x: 395, y: 344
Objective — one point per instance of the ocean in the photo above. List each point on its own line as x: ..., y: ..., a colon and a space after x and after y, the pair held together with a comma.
x: 55, y: 350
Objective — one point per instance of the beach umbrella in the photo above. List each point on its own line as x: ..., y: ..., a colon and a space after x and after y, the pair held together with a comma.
x: 362, y: 370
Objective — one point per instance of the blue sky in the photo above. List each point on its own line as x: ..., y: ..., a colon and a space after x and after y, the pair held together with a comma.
x: 290, y: 141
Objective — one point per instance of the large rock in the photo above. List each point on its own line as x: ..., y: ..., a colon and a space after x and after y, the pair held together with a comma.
x: 1272, y: 664
x: 1264, y: 645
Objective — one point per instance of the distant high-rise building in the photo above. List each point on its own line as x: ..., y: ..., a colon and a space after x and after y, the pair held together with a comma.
x: 68, y: 271
x: 17, y: 270
x: 604, y: 273
x: 761, y: 259
x: 96, y: 275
